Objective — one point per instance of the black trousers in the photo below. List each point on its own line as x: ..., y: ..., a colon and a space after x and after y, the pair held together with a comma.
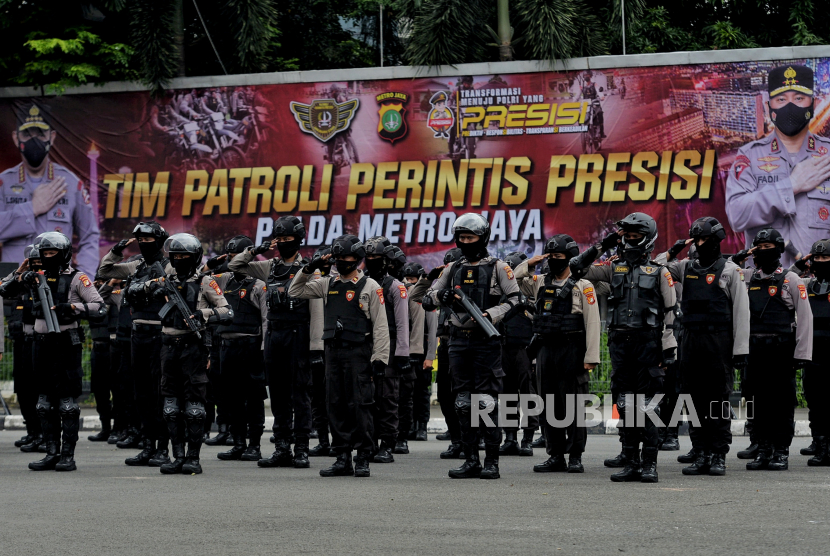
x: 385, y: 408
x: 319, y: 411
x: 242, y: 379
x: 406, y: 400
x: 561, y: 366
x: 25, y: 385
x: 635, y: 369
x: 289, y: 381
x: 216, y: 397
x: 816, y: 382
x: 147, y: 370
x: 518, y: 380
x: 708, y: 376
x: 350, y: 396
x: 446, y: 396
x: 422, y: 392
x: 184, y: 368
x: 56, y: 360
x: 102, y: 379
x: 125, y: 389
x: 771, y: 374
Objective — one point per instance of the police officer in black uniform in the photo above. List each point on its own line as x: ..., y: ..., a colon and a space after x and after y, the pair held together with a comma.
x: 127, y: 435
x: 317, y: 363
x: 102, y: 376
x: 475, y: 359
x: 517, y: 331
x: 640, y: 342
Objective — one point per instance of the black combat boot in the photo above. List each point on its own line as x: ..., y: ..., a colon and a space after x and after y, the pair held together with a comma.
x: 142, y: 459
x: 191, y: 461
x: 412, y: 430
x: 749, y: 453
x: 115, y: 436
x: 811, y: 449
x: 361, y: 464
x: 443, y: 435
x: 452, y: 452
x: 649, y: 472
x: 342, y: 467
x: 174, y: 467
x: 384, y: 454
x: 67, y: 461
x: 49, y: 462
x: 130, y: 440
x: 236, y: 452
x: 34, y: 445
x: 102, y: 435
x: 280, y: 458
x: 718, y: 465
x: 762, y: 458
x: 689, y: 457
x: 401, y: 446
x: 780, y: 460
x: 301, y: 456
x: 631, y: 471
x: 420, y: 433
x: 701, y: 465
x: 161, y: 456
x: 526, y: 448
x: 510, y: 446
x: 617, y: 461
x: 27, y: 439
x: 220, y: 438
x: 252, y: 452
x: 322, y: 448
x: 471, y: 468
x: 539, y: 442
x: 575, y: 463
x: 491, y: 462
x: 670, y: 442
x: 822, y: 457
x: 553, y: 464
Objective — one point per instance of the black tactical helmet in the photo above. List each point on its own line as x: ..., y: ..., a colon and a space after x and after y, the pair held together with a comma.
x: 151, y: 228
x: 707, y: 227
x: 452, y: 255
x: 322, y: 251
x: 27, y: 252
x: 54, y: 240
x: 397, y: 258
x: 769, y: 235
x: 821, y: 247
x: 238, y: 244
x: 639, y: 223
x: 562, y: 243
x: 184, y: 244
x: 514, y: 259
x: 348, y: 245
x: 413, y: 269
x: 289, y: 226
x: 377, y: 246
x: 472, y: 223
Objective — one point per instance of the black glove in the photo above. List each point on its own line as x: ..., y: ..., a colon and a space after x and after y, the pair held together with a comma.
x: 119, y: 247
x: 213, y: 262
x: 28, y: 277
x: 316, y: 263
x: 739, y: 257
x: 435, y: 273
x: 262, y: 248
x: 64, y: 310
x: 316, y: 359
x: 668, y: 357
x: 802, y: 264
x: 402, y: 364
x: 799, y: 364
x: 445, y: 297
x: 675, y: 249
x: 610, y: 241
x: 199, y: 317
x: 379, y: 369
x: 740, y: 362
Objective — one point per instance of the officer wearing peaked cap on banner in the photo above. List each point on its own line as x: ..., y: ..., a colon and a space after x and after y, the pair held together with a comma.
x: 715, y: 341
x: 356, y: 336
x: 39, y: 195
x: 777, y: 348
x: 782, y: 181
x: 475, y: 355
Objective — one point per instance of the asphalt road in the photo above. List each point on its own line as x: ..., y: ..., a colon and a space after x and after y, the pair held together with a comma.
x: 409, y: 507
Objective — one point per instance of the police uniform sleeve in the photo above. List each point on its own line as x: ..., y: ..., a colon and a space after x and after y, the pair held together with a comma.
x: 677, y: 269
x: 84, y: 296
x: 507, y: 285
x: 213, y: 301
x: 669, y: 302
x: 303, y: 287
x: 244, y: 263
x: 431, y: 324
x: 736, y: 290
x: 16, y: 220
x: 529, y: 285
x: 521, y: 271
x: 372, y: 300
x: 419, y: 290
x: 749, y: 206
x: 112, y: 267
x: 599, y: 272
x: 440, y: 283
x: 401, y: 309
x: 259, y: 296
x: 417, y: 322
x: 803, y: 317
x: 85, y: 222
x: 590, y: 316
x: 105, y: 291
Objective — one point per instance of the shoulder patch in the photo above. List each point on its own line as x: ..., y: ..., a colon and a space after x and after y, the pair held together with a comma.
x: 402, y: 289
x: 509, y: 272
x: 802, y: 290
x: 215, y: 287
x: 667, y: 274
x: 84, y: 280
x: 535, y: 277
x: 379, y: 292
x: 589, y: 295
x: 741, y: 163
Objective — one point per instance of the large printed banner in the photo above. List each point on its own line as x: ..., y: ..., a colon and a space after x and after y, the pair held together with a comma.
x: 538, y: 153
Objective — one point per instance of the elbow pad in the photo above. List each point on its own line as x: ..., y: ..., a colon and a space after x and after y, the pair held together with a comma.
x: 428, y: 304
x: 221, y: 318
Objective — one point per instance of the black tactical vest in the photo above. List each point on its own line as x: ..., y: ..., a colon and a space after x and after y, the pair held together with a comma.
x: 635, y: 301
x: 344, y: 318
x: 388, y: 292
x: 112, y: 317
x: 125, y: 319
x: 768, y: 312
x: 13, y: 311
x: 60, y: 294
x: 190, y: 291
x: 475, y: 282
x: 281, y: 306
x: 554, y: 309
x: 704, y: 302
x: 819, y: 295
x: 28, y: 309
x: 518, y: 328
x: 443, y: 321
x: 247, y: 318
x: 146, y: 308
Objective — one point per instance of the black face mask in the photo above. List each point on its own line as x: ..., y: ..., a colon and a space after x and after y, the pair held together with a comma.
x: 288, y: 249
x: 376, y: 268
x: 790, y: 119
x: 184, y: 268
x: 821, y: 269
x: 149, y: 250
x: 766, y: 259
x: 34, y: 150
x: 632, y: 254
x: 557, y: 266
x: 471, y: 251
x: 239, y: 277
x: 51, y: 265
x: 346, y: 267
x: 708, y: 253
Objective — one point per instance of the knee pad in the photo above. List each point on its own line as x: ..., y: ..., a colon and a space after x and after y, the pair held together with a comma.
x: 487, y: 403
x: 195, y: 411
x: 171, y: 409
x: 43, y: 407
x: 463, y: 402
x: 643, y: 406
x: 621, y: 399
x: 69, y: 407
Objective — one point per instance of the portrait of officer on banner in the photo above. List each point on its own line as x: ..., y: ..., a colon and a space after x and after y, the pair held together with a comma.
x: 39, y: 195
x: 782, y: 180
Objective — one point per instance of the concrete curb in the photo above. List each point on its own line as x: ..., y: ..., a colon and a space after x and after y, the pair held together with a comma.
x: 435, y: 425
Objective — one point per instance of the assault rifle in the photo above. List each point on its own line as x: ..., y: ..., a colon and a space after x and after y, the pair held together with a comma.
x: 44, y: 294
x: 175, y: 300
x: 475, y: 313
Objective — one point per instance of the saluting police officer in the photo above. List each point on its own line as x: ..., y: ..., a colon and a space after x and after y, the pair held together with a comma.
x: 568, y: 326
x: 640, y: 343
x: 475, y: 360
x: 378, y: 262
x: 356, y: 336
x: 102, y: 375
x: 56, y: 356
x: 129, y: 434
x: 145, y: 339
x: 287, y: 341
x: 715, y: 311
x: 317, y: 363
x: 241, y: 366
x: 777, y: 348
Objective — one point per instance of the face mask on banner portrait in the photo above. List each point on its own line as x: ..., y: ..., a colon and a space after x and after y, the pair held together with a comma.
x: 34, y: 150
x: 791, y: 119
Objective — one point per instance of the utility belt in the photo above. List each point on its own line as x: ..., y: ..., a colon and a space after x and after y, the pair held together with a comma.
x: 76, y: 336
x: 700, y: 327
x: 242, y: 341
x: 467, y: 333
x: 625, y: 334
x: 771, y: 339
x: 183, y: 340
x: 150, y: 329
x: 278, y: 325
x: 338, y: 343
